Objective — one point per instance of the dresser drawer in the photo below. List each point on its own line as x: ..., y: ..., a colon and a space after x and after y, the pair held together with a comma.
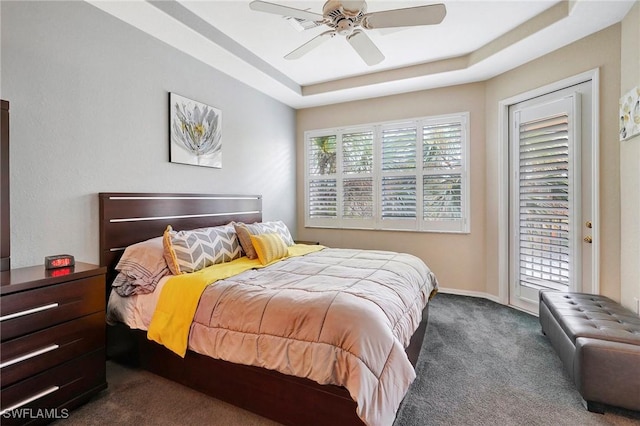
x: 52, y: 392
x: 36, y: 352
x: 25, y: 312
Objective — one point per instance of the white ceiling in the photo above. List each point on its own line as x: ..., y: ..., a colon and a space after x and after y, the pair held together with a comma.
x: 477, y: 40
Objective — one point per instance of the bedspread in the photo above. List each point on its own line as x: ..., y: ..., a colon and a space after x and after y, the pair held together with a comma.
x: 336, y: 316
x: 180, y: 296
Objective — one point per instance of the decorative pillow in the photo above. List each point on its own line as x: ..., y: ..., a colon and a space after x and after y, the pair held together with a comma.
x: 244, y: 235
x: 190, y: 251
x: 140, y: 268
x: 269, y: 247
x: 277, y: 227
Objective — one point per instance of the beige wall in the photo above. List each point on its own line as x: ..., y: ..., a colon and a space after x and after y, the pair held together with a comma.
x: 469, y: 263
x: 630, y: 168
x: 600, y: 50
x: 457, y: 259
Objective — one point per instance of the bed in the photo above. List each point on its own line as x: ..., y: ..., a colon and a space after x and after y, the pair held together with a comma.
x: 129, y: 218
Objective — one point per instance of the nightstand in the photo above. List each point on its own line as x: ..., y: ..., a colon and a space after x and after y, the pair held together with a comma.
x: 52, y: 350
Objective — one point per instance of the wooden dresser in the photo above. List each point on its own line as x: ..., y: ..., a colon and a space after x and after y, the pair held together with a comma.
x: 52, y: 331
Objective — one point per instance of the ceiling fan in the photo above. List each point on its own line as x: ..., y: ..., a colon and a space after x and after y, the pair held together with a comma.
x: 349, y: 18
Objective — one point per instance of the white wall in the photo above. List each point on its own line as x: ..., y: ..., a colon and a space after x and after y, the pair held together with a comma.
x: 89, y: 113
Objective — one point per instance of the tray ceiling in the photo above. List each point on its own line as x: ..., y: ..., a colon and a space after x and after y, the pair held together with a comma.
x: 477, y: 40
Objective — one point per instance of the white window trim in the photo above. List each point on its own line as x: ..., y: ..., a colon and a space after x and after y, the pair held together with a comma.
x: 377, y: 223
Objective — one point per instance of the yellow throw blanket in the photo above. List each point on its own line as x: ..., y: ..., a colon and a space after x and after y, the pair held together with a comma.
x: 180, y: 295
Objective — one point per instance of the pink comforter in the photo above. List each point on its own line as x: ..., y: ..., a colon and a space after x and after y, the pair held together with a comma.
x: 336, y: 316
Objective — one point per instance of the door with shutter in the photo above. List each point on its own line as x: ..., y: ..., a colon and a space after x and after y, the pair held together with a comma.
x: 550, y: 202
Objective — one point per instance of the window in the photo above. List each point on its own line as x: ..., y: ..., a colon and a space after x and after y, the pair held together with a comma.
x: 408, y: 175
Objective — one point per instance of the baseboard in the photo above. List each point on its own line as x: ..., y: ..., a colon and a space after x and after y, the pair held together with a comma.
x: 482, y: 296
x: 470, y: 293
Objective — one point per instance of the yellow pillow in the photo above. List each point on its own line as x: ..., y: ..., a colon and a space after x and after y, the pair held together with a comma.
x: 269, y: 247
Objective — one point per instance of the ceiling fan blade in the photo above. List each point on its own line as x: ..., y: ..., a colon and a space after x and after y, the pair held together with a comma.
x: 263, y: 6
x: 364, y: 46
x: 411, y: 16
x: 310, y: 45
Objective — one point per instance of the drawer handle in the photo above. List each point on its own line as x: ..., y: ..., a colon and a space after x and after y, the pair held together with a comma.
x: 30, y: 399
x: 29, y: 355
x: 29, y: 311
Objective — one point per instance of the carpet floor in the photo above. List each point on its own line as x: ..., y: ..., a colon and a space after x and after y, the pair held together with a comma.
x: 481, y: 364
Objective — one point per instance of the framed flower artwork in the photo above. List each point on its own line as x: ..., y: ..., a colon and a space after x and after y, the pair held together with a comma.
x: 196, y: 132
x: 630, y: 114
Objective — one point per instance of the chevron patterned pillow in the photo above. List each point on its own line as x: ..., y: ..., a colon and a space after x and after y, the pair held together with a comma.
x: 190, y: 251
x: 277, y: 227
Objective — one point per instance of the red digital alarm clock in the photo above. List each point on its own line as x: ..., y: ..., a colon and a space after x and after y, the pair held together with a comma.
x: 58, y: 261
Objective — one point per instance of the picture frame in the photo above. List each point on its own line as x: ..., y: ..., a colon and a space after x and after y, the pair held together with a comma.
x: 630, y: 114
x: 195, y: 130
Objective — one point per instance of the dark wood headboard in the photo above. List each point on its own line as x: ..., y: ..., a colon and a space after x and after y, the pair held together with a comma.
x: 128, y: 218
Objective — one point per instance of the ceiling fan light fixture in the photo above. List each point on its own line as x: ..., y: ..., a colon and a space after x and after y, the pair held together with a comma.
x: 344, y: 26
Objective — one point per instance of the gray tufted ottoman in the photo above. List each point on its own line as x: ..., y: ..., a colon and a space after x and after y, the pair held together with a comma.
x: 598, y: 342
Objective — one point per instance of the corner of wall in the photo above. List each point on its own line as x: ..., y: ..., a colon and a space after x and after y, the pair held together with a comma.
x: 629, y: 170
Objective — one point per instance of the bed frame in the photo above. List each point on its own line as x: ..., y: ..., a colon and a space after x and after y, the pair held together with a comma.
x: 128, y: 218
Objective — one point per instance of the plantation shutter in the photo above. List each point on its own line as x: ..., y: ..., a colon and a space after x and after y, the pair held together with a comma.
x: 406, y: 175
x: 398, y: 184
x: 442, y: 164
x: 322, y: 188
x: 357, y: 171
x: 544, y: 204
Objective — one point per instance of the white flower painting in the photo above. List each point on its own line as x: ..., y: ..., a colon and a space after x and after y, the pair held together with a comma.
x: 196, y: 132
x: 630, y: 114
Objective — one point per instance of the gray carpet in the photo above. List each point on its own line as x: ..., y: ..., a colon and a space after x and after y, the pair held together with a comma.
x: 481, y: 364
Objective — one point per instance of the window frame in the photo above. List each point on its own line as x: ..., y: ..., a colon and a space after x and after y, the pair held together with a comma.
x: 417, y: 224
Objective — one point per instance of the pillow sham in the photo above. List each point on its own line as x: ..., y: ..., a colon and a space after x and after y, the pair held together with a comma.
x: 140, y: 268
x: 272, y: 227
x: 276, y: 226
x: 269, y: 247
x: 192, y: 250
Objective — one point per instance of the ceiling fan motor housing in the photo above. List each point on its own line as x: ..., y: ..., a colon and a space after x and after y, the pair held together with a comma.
x: 344, y: 16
